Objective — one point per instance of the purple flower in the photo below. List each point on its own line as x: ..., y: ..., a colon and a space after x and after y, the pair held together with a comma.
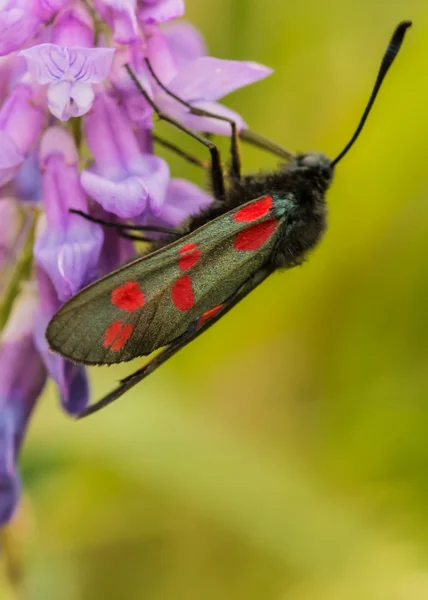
x: 160, y: 11
x: 19, y: 390
x: 116, y: 250
x: 22, y: 116
x: 181, y: 199
x: 67, y: 246
x: 28, y: 180
x: 70, y: 378
x: 121, y: 16
x: 185, y: 43
x: 58, y: 56
x: 70, y: 74
x: 73, y: 26
x: 19, y: 20
x: 123, y: 180
x: 200, y: 80
x: 129, y: 17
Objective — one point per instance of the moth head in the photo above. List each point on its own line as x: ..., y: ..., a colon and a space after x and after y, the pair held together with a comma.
x: 316, y: 167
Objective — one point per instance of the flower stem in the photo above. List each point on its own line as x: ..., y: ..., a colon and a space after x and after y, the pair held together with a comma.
x: 21, y: 270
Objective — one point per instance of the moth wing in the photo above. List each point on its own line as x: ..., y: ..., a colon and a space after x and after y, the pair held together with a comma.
x: 152, y: 301
x: 196, y: 328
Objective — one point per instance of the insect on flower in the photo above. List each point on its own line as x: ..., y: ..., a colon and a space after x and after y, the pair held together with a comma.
x: 257, y: 224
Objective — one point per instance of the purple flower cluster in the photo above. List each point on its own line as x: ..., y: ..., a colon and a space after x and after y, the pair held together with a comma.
x: 76, y: 133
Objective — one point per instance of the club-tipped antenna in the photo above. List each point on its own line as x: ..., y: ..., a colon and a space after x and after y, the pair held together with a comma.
x: 388, y: 58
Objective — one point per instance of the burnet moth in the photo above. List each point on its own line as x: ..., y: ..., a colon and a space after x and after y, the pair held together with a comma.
x: 165, y: 299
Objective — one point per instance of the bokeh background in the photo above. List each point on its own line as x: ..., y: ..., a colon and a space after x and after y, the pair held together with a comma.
x: 284, y: 454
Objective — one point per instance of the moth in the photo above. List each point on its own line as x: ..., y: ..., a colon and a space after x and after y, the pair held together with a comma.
x: 165, y: 299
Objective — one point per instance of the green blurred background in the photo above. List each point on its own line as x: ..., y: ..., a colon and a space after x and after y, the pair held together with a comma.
x: 284, y: 454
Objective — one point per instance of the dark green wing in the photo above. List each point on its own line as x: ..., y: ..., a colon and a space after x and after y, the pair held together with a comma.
x: 153, y: 301
x: 195, y: 329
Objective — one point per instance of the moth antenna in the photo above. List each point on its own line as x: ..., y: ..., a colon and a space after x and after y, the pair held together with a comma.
x: 388, y: 58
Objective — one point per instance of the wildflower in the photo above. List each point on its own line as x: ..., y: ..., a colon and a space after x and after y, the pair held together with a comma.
x: 22, y: 377
x: 75, y: 133
x: 67, y: 248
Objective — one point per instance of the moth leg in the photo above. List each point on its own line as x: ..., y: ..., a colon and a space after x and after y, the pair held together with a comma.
x: 133, y: 237
x: 124, y: 226
x: 235, y: 163
x: 189, y: 157
x: 217, y: 178
x: 193, y: 332
x: 251, y: 137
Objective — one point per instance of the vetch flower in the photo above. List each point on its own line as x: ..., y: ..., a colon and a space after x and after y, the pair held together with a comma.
x: 70, y: 73
x: 121, y: 16
x: 73, y: 26
x: 128, y: 18
x: 203, y: 81
x: 159, y: 11
x: 70, y: 378
x: 116, y: 250
x: 19, y: 20
x: 67, y: 246
x: 22, y: 377
x: 123, y: 179
x: 22, y: 116
x: 76, y: 133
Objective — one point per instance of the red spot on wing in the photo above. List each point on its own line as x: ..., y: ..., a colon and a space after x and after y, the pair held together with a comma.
x: 182, y: 293
x: 255, y: 236
x: 116, y: 335
x: 255, y: 210
x: 189, y: 256
x: 128, y: 297
x: 208, y: 314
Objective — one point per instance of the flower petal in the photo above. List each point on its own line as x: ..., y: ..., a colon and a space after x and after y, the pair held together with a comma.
x: 116, y: 250
x: 73, y: 27
x: 70, y: 378
x: 185, y: 42
x: 183, y: 199
x: 22, y: 116
x: 67, y: 246
x: 59, y: 100
x: 28, y: 181
x: 90, y: 65
x: 19, y: 20
x: 46, y: 62
x: 111, y: 138
x: 154, y: 173
x: 19, y: 390
x: 126, y: 198
x: 10, y: 158
x: 83, y: 96
x: 206, y: 124
x: 69, y: 257
x: 10, y: 486
x: 208, y: 78
x: 120, y: 14
x: 160, y: 11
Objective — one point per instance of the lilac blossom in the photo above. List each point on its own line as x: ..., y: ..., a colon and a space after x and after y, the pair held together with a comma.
x: 76, y: 133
